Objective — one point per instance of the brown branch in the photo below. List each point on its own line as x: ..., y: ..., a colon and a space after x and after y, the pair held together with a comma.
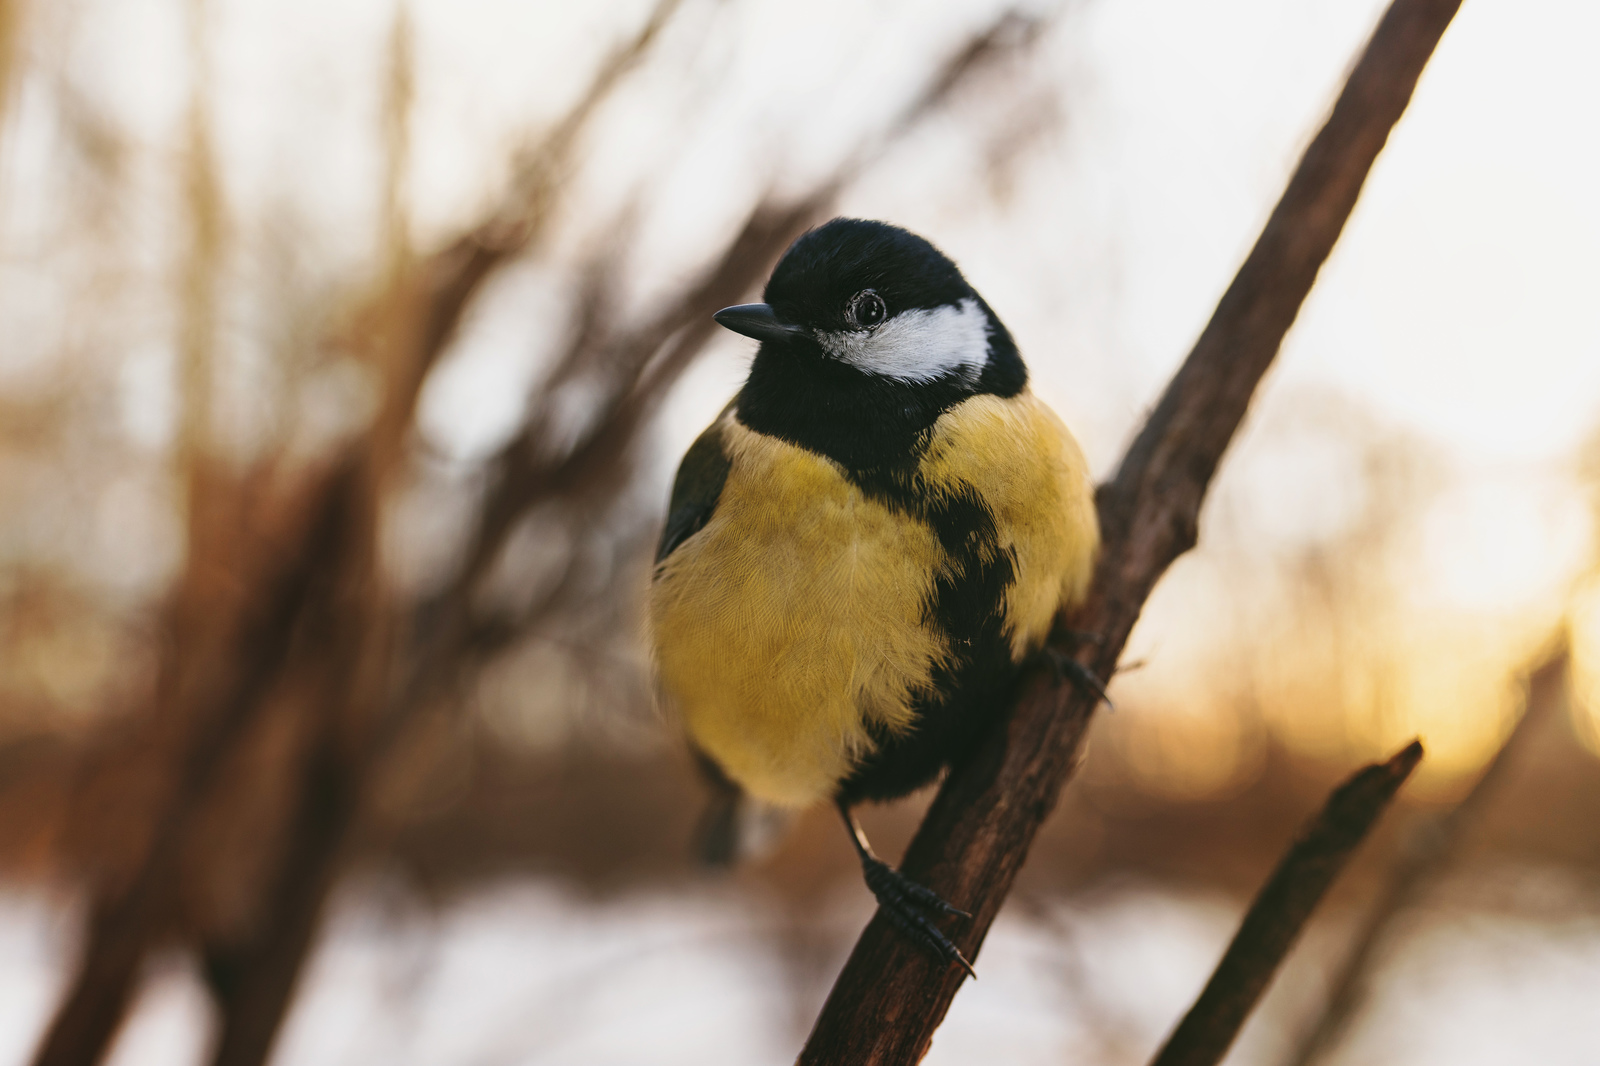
x: 891, y: 996
x: 127, y: 918
x: 254, y: 981
x: 1281, y: 911
x: 1012, y: 33
x: 1427, y: 852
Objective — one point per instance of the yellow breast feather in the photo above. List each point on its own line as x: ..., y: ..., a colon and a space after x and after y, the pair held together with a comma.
x: 794, y: 619
x: 798, y: 617
x: 1026, y: 466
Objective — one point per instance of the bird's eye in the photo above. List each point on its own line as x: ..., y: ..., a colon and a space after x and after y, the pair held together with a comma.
x: 865, y: 310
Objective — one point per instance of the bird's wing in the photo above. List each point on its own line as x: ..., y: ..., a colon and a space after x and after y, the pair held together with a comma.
x: 695, y: 491
x: 696, y: 488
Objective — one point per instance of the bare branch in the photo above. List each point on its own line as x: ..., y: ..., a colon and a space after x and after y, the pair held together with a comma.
x: 891, y: 996
x: 1008, y: 36
x: 1428, y: 851
x: 1281, y: 911
x: 127, y: 918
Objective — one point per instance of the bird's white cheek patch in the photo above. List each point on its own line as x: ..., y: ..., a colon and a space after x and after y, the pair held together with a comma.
x: 918, y: 345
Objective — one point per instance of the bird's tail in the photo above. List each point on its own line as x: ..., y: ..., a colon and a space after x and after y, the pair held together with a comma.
x: 734, y: 826
x: 716, y: 837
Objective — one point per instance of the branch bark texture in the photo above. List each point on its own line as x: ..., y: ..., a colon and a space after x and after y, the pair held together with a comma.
x: 1280, y: 912
x: 891, y: 996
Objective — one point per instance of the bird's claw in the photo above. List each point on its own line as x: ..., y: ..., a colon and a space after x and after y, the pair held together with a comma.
x: 1064, y: 667
x: 903, y: 901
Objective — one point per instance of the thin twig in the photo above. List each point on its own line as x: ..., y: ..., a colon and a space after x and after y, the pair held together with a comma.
x: 1427, y: 852
x: 1280, y: 912
x: 891, y: 995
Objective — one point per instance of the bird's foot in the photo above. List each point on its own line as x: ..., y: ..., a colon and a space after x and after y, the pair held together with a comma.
x: 1064, y: 667
x: 907, y: 904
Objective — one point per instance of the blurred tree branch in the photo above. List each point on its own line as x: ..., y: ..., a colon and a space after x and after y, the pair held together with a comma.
x: 404, y: 331
x: 1281, y: 910
x: 891, y: 996
x: 1427, y: 852
x: 10, y: 17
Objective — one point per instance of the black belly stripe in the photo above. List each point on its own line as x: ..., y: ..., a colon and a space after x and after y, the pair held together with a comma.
x: 967, y: 604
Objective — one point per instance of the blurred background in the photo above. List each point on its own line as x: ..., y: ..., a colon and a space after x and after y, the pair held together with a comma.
x: 347, y: 350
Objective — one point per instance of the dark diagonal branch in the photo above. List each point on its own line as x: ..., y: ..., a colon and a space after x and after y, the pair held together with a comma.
x: 1280, y: 912
x: 892, y: 996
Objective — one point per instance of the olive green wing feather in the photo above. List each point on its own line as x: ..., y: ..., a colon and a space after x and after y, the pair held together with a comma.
x: 695, y: 490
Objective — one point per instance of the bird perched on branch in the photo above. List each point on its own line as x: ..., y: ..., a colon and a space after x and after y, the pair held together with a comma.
x: 866, y: 545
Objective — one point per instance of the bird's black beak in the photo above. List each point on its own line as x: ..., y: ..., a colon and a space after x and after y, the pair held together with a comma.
x: 755, y: 320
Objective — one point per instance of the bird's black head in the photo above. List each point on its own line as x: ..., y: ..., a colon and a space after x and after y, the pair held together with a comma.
x: 829, y: 278
x: 868, y: 334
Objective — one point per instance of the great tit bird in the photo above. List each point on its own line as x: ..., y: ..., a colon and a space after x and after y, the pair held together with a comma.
x: 866, y: 545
